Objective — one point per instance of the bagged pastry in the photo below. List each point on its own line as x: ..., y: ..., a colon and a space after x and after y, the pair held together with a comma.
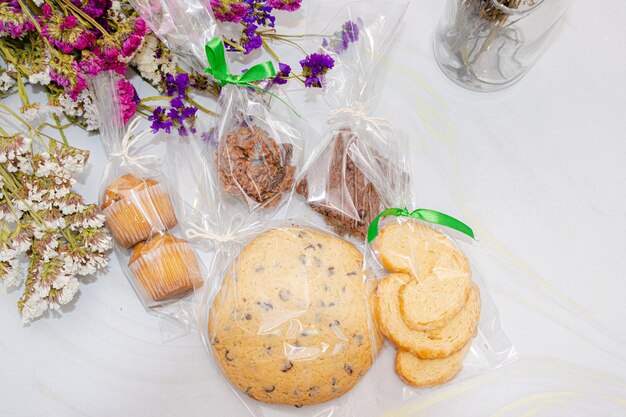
x: 288, y: 321
x: 430, y: 302
x: 256, y: 145
x: 361, y: 166
x: 140, y: 210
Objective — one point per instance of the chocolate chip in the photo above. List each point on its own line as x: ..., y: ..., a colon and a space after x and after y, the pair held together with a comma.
x: 314, y: 391
x: 248, y: 316
x: 334, y: 323
x: 259, y: 269
x: 331, y: 271
x: 358, y: 338
x: 247, y: 390
x: 348, y: 369
x: 287, y: 365
x: 322, y: 304
x: 298, y: 405
x: 297, y: 343
x: 300, y: 234
x: 326, y: 287
x: 310, y: 247
x: 333, y: 381
x: 319, y: 245
x: 268, y: 350
x: 307, y: 332
x: 333, y: 389
x: 284, y: 294
x: 302, y: 259
x: 265, y: 306
x: 331, y: 304
x: 269, y: 389
x: 352, y: 273
x: 229, y: 356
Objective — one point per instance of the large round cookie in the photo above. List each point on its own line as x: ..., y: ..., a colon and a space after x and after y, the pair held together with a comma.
x: 290, y: 322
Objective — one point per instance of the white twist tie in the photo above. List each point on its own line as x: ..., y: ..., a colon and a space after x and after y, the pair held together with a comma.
x: 130, y: 139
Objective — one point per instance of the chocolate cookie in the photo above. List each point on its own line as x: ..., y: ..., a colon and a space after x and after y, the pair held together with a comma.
x: 251, y: 164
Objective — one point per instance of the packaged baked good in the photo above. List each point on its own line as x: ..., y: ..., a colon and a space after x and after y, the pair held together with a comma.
x: 140, y: 209
x: 429, y: 300
x: 136, y: 208
x: 290, y: 322
x: 361, y: 166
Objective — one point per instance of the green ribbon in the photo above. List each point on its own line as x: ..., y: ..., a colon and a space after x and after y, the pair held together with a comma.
x: 430, y: 216
x: 218, y: 68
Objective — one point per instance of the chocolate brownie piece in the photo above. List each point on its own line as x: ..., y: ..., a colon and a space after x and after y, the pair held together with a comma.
x: 351, y: 201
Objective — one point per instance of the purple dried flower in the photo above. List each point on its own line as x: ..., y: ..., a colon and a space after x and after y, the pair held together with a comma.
x: 283, y: 72
x: 177, y: 85
x: 13, y: 22
x: 94, y: 8
x: 340, y: 40
x: 286, y: 5
x: 314, y: 67
x: 229, y: 10
x: 160, y: 120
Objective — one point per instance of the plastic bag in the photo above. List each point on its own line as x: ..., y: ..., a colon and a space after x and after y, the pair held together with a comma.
x: 184, y: 26
x: 287, y: 321
x: 361, y: 166
x: 259, y: 149
x: 431, y: 304
x: 136, y: 199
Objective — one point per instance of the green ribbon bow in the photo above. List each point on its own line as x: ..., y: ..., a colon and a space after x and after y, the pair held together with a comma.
x: 430, y: 216
x: 218, y: 68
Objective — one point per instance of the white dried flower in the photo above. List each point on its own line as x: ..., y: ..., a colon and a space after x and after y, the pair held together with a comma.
x: 33, y: 308
x: 6, y: 82
x: 42, y: 77
x: 11, y: 273
x: 68, y: 291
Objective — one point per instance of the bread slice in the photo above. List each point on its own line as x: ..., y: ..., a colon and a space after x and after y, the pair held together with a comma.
x: 426, y: 345
x: 429, y: 302
x: 426, y: 372
x: 412, y: 248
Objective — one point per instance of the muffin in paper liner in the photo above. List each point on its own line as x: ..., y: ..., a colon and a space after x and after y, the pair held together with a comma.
x: 135, y: 209
x: 166, y: 267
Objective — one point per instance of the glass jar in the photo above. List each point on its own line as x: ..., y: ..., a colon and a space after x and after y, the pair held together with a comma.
x: 487, y: 45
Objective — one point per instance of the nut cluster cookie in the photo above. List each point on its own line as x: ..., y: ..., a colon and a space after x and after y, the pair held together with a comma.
x: 428, y: 306
x: 251, y: 164
x: 290, y: 324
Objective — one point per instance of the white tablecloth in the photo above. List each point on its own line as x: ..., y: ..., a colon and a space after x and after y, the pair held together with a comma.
x: 538, y: 170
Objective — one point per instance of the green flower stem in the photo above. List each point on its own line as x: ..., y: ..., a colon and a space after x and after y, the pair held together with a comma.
x: 60, y: 128
x: 155, y: 98
x: 21, y: 91
x: 84, y: 16
x: 234, y: 45
x: 32, y: 6
x: 270, y: 50
x: 200, y: 107
x: 287, y: 41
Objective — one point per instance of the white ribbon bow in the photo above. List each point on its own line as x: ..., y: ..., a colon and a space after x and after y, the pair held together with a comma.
x: 130, y: 139
x: 194, y: 231
x: 358, y: 113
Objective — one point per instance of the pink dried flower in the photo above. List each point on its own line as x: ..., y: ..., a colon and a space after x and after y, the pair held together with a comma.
x: 286, y: 5
x: 13, y: 22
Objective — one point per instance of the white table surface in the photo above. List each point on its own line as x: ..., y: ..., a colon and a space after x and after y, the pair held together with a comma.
x: 538, y: 170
